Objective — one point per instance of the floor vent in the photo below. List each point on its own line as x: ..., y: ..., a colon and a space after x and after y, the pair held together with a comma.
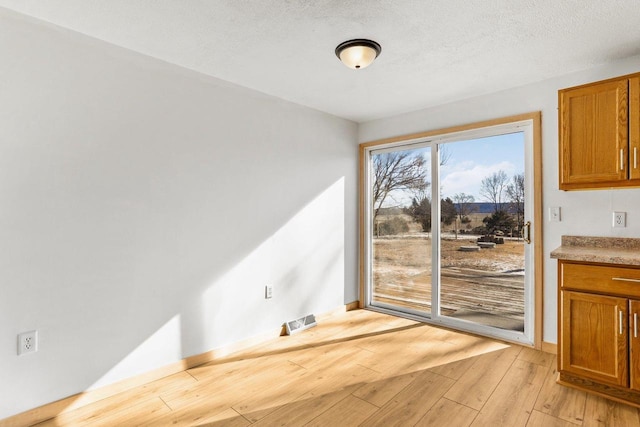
x: 298, y: 325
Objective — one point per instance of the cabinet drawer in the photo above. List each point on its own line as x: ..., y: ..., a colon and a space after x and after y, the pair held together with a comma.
x: 612, y: 280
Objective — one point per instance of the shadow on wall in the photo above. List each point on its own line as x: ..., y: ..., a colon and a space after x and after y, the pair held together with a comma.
x: 149, y: 321
x: 303, y: 260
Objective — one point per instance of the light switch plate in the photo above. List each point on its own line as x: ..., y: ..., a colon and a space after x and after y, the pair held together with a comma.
x: 554, y: 214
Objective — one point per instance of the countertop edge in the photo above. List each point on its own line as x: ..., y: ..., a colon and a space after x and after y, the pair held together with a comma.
x: 629, y: 254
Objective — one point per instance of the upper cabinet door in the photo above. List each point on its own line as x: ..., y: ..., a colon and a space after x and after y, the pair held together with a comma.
x: 594, y: 135
x: 634, y: 128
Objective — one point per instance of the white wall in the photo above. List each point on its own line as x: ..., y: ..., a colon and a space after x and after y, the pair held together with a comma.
x: 583, y: 212
x: 143, y: 208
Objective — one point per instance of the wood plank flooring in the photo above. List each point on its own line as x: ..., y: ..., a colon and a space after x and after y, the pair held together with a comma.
x: 363, y: 368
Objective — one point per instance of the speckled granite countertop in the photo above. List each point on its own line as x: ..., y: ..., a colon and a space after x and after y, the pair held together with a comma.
x: 610, y: 250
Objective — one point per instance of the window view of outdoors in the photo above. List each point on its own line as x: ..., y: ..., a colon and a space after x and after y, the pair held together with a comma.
x: 401, y: 217
x: 481, y: 230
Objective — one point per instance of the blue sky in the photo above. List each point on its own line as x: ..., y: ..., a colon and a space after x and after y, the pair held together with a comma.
x: 473, y: 160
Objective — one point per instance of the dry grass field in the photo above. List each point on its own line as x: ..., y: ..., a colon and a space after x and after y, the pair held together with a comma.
x: 398, y: 258
x: 489, y: 282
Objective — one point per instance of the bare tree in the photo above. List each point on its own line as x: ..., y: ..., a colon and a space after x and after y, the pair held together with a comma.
x: 493, y: 188
x: 515, y: 193
x: 395, y: 171
x: 462, y: 204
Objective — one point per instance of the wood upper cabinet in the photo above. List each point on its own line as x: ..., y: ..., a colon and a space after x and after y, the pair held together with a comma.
x: 634, y: 129
x: 599, y: 130
x: 594, y: 337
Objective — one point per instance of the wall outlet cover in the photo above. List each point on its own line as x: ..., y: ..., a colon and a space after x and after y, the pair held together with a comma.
x: 27, y: 342
x: 619, y: 219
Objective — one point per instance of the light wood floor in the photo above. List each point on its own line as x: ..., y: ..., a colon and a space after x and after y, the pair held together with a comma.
x: 363, y: 368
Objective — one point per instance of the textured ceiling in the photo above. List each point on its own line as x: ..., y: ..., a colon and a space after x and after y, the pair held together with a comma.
x: 433, y: 52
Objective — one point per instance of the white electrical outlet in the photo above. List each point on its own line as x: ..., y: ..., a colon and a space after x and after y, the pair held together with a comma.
x: 619, y: 219
x: 27, y: 342
x: 268, y: 292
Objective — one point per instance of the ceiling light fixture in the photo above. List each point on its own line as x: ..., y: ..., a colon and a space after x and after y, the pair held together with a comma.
x: 358, y: 53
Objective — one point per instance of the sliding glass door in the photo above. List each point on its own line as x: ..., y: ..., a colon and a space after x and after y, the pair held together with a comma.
x: 449, y: 230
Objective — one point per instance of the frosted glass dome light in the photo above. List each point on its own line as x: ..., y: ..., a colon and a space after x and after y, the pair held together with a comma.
x: 358, y: 53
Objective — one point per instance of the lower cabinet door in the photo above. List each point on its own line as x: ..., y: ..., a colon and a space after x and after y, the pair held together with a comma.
x: 594, y: 337
x: 634, y: 340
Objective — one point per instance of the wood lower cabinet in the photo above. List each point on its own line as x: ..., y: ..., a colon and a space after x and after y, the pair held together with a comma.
x: 599, y: 329
x: 634, y: 340
x: 594, y: 337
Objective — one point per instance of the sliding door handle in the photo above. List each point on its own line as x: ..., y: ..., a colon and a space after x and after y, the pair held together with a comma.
x: 527, y: 232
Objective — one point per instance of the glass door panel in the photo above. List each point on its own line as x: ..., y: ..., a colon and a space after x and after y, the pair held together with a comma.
x: 400, y: 229
x: 481, y: 246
